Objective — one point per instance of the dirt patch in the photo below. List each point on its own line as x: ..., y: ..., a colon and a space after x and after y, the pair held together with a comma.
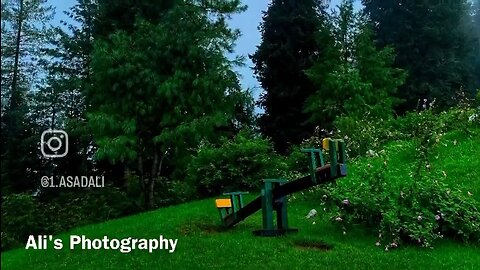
x: 318, y: 245
x: 211, y: 228
x: 200, y: 227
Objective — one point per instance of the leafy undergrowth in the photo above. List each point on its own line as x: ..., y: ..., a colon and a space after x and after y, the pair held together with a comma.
x: 410, y: 201
x: 319, y: 244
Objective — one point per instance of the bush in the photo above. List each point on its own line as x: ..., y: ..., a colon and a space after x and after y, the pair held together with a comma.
x: 367, y: 135
x: 237, y: 164
x: 173, y: 192
x: 21, y: 217
x: 419, y: 209
x: 364, y: 135
x: 24, y: 214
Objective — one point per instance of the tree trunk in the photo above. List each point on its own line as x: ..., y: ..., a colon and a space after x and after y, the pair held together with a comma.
x: 149, y: 192
x: 14, y: 95
x: 155, y: 174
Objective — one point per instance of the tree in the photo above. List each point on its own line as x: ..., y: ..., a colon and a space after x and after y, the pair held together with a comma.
x: 476, y: 36
x: 358, y: 80
x: 121, y: 14
x: 160, y: 88
x: 61, y: 103
x: 24, y: 35
x: 431, y: 44
x: 288, y: 47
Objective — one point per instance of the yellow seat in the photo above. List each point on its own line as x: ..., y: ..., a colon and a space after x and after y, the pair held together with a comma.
x: 223, y: 203
x: 326, y: 144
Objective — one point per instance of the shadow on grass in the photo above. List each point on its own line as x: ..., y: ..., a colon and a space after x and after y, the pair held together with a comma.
x: 310, y: 244
x: 201, y: 226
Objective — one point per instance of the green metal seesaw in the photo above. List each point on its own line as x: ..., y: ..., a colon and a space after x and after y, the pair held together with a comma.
x: 274, y: 192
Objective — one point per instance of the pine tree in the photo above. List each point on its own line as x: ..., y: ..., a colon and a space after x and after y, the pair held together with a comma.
x: 24, y: 35
x: 431, y: 44
x: 161, y: 88
x: 476, y: 36
x: 60, y: 102
x: 121, y: 14
x: 358, y: 80
x: 288, y: 48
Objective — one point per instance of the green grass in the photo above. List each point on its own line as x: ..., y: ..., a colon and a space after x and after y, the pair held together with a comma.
x: 457, y: 154
x: 202, y: 245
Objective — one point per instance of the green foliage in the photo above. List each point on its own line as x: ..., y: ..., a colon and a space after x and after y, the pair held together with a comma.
x: 420, y: 210
x: 150, y: 106
x: 364, y: 136
x: 24, y: 214
x: 289, y: 46
x: 25, y: 30
x: 432, y: 40
x: 173, y: 96
x: 236, y: 165
x: 358, y: 79
x: 422, y: 207
x: 367, y: 135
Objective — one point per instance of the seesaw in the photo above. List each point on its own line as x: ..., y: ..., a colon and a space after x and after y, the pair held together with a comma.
x: 274, y: 193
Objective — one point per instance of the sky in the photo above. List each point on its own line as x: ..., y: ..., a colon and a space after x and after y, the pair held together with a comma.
x: 247, y: 22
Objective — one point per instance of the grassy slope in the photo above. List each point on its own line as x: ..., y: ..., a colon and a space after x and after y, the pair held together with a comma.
x: 200, y: 246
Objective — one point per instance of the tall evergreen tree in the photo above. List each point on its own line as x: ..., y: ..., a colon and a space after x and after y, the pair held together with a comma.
x: 160, y: 88
x: 25, y: 31
x: 355, y: 79
x: 60, y: 102
x: 476, y: 36
x: 121, y: 14
x: 431, y: 44
x: 288, y: 48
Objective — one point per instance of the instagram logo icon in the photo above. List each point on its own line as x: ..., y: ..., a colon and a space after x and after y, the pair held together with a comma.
x: 54, y: 143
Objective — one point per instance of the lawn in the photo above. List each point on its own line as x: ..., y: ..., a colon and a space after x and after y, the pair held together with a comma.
x: 319, y: 244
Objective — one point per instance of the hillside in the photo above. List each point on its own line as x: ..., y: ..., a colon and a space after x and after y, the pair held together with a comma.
x: 318, y: 245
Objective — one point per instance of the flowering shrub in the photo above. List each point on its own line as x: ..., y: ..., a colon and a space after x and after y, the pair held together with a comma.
x: 420, y: 208
x: 367, y: 135
x: 364, y: 135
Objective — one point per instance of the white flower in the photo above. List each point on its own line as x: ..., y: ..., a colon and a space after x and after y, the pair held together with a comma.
x: 472, y: 117
x: 419, y: 218
x: 437, y: 217
x: 338, y: 219
x: 312, y: 213
x: 346, y: 202
x: 377, y: 244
